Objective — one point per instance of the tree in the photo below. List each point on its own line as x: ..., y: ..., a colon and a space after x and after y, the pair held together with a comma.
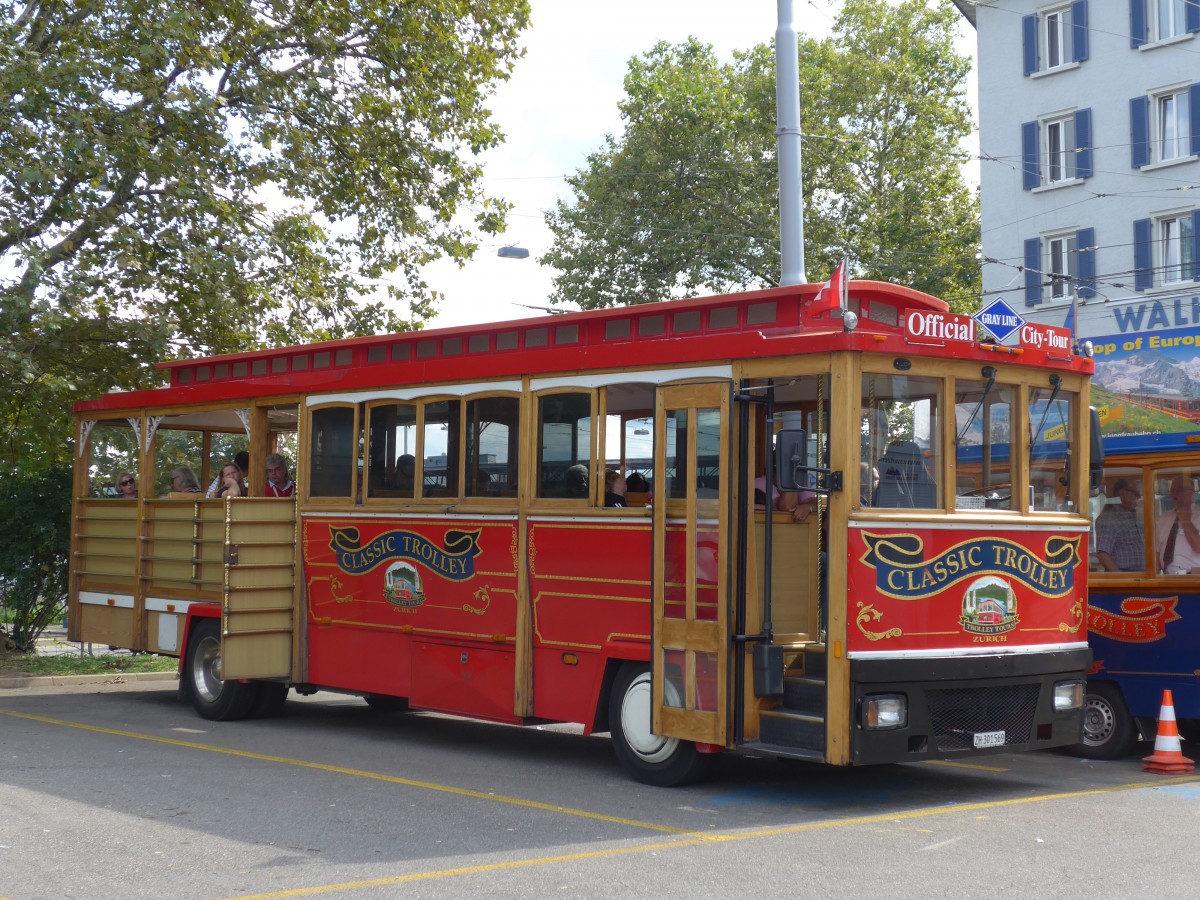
x: 194, y: 178
x: 35, y: 541
x: 684, y: 200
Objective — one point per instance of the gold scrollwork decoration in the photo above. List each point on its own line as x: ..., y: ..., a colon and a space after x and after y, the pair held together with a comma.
x: 483, y: 597
x: 870, y: 613
x: 1077, y: 616
x: 337, y: 590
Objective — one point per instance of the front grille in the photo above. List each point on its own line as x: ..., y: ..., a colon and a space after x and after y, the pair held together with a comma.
x: 958, y: 714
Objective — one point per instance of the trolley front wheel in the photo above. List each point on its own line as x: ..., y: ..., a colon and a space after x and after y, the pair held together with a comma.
x: 646, y: 756
x: 1108, y: 729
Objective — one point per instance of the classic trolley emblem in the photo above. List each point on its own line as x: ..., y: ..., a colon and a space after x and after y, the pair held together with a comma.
x: 903, y: 573
x: 402, y: 585
x: 989, y: 607
x: 454, y: 560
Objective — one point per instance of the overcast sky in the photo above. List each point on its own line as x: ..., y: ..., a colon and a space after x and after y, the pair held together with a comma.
x: 557, y: 107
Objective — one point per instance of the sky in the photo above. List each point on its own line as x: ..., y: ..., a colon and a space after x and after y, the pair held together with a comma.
x: 560, y: 102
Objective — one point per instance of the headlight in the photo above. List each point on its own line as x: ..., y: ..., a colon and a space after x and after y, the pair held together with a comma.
x: 883, y: 711
x: 1068, y: 695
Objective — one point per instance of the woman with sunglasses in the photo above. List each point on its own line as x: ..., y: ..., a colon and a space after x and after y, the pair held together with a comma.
x: 127, y: 486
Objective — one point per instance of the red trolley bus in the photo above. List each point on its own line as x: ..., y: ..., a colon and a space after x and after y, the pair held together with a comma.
x: 448, y: 546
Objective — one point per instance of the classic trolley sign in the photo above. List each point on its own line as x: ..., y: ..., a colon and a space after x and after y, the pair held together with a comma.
x: 916, y: 591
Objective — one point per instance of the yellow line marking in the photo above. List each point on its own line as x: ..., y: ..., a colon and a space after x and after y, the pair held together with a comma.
x: 361, y: 773
x: 962, y: 765
x: 689, y: 837
x: 782, y: 830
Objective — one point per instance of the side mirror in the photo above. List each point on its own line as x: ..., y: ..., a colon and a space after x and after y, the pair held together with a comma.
x: 791, y: 459
x: 1095, y: 451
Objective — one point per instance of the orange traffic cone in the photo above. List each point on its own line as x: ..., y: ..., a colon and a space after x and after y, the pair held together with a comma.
x: 1167, y: 758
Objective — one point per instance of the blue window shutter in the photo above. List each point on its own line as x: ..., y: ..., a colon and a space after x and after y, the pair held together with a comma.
x: 1143, y: 255
x: 1079, y: 31
x: 1191, y: 15
x: 1085, y: 261
x: 1194, y: 110
x: 1139, y: 24
x: 1030, y: 176
x: 1029, y: 43
x: 1083, y: 143
x: 1196, y: 245
x: 1139, y: 131
x: 1033, y: 271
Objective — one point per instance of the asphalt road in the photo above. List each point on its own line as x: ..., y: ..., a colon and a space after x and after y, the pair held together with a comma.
x: 119, y: 790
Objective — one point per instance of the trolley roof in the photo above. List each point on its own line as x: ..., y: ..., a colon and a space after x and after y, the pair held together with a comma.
x: 772, y: 322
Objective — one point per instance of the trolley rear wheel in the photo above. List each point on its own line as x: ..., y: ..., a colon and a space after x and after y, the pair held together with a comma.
x: 212, y: 696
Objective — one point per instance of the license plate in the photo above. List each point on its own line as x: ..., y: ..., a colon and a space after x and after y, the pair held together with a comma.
x: 989, y: 739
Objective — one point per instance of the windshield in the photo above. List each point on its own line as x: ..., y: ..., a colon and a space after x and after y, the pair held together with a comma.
x: 983, y: 418
x: 1051, y: 469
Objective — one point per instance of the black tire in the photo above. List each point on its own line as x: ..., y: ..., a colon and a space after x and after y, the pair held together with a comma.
x: 1108, y: 730
x: 212, y: 696
x: 385, y: 703
x: 647, y: 757
x: 272, y: 695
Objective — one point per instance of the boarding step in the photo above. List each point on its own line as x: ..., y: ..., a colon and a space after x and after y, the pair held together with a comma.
x: 785, y: 752
x: 795, y: 730
x: 804, y: 694
x: 809, y: 661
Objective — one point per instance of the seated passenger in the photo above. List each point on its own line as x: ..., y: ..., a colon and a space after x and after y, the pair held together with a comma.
x: 406, y: 472
x: 127, y: 488
x: 799, y: 503
x: 1120, y: 544
x: 1177, y: 531
x: 229, y: 481
x: 636, y: 482
x: 614, y: 488
x: 278, y: 483
x: 576, y: 481
x: 242, y: 460
x: 904, y: 482
x: 184, y: 481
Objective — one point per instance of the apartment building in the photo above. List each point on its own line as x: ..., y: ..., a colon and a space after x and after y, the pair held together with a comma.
x: 1090, y: 177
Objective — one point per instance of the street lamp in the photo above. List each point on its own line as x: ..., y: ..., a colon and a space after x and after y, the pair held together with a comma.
x: 512, y: 251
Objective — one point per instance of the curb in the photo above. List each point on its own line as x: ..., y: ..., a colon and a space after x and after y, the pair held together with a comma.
x: 19, y: 682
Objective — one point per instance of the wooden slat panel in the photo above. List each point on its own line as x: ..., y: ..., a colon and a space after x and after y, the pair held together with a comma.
x: 105, y: 543
x: 259, y: 564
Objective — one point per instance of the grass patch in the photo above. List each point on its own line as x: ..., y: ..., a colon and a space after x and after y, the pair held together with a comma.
x: 74, y: 664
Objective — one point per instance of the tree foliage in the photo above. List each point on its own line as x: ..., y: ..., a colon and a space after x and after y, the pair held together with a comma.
x: 190, y: 178
x: 35, y: 541
x: 685, y: 199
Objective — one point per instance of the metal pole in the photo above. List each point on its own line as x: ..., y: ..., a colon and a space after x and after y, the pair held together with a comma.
x: 787, y: 111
